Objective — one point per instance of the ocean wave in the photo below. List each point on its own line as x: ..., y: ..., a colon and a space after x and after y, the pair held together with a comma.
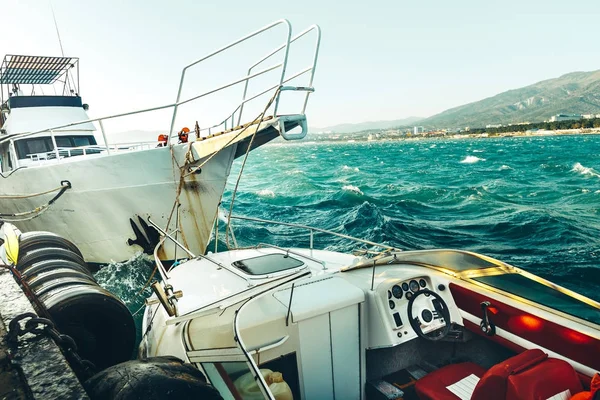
x: 504, y: 168
x: 584, y: 170
x: 471, y: 160
x: 266, y: 193
x: 347, y: 168
x: 353, y: 189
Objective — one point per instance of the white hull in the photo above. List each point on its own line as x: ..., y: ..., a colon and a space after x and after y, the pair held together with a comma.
x: 110, y: 190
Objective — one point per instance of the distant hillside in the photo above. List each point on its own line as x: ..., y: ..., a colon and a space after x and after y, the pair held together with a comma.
x: 362, y: 126
x: 573, y: 93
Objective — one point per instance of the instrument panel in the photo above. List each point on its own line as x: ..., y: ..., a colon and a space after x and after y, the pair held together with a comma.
x: 426, y: 309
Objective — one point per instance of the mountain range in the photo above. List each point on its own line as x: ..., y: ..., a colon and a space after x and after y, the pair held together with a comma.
x: 573, y: 93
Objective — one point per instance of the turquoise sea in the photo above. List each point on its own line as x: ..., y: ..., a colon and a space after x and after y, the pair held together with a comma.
x: 532, y: 202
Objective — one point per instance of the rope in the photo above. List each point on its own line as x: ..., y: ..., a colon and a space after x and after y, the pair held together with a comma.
x: 237, y: 183
x: 36, y: 212
x: 189, y: 160
x: 26, y: 196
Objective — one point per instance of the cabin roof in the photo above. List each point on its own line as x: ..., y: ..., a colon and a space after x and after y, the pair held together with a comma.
x: 35, y: 70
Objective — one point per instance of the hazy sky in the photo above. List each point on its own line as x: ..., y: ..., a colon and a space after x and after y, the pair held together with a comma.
x: 379, y: 59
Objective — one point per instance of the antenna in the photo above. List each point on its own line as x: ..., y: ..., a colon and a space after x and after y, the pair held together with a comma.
x: 57, y: 32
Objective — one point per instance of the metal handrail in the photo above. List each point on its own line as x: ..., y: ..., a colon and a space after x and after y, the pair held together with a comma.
x: 315, y: 57
x: 222, y: 49
x: 239, y: 109
x: 313, y: 229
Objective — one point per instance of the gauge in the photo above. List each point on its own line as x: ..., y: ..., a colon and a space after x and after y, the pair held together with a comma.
x: 389, y: 294
x: 392, y: 304
x: 422, y: 282
x: 397, y: 291
x: 405, y: 286
x: 414, y: 286
x: 409, y: 295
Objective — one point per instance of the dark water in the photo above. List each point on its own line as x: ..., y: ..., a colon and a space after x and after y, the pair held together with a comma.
x: 531, y: 202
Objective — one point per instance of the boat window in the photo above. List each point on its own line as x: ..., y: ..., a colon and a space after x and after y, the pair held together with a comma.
x: 63, y: 141
x: 267, y: 264
x: 531, y: 290
x: 25, y: 147
x: 83, y: 141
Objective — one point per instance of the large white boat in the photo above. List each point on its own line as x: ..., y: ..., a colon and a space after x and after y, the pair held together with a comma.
x: 60, y: 173
x: 282, y: 323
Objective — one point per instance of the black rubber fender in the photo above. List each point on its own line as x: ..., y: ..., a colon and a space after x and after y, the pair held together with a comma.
x: 35, y: 255
x: 99, y: 322
x: 39, y: 239
x: 151, y: 379
x: 41, y: 267
x: 44, y: 278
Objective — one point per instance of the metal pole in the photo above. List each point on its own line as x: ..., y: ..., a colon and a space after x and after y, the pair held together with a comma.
x: 312, y: 74
x: 55, y: 147
x: 104, y: 136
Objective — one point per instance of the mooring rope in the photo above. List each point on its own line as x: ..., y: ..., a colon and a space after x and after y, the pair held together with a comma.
x: 26, y: 196
x: 36, y: 212
x: 190, y: 160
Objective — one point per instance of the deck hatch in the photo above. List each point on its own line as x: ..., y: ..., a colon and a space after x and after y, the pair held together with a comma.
x: 267, y: 264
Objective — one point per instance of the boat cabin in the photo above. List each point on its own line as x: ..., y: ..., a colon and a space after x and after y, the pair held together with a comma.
x: 280, y: 323
x: 38, y: 94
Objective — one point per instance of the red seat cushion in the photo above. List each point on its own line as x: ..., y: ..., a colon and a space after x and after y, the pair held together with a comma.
x: 433, y: 386
x: 543, y: 381
x: 492, y: 385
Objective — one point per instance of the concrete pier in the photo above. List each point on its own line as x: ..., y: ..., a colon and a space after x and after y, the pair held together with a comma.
x: 35, y: 368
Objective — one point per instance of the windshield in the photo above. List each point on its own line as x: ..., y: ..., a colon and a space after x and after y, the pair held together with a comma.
x: 531, y: 290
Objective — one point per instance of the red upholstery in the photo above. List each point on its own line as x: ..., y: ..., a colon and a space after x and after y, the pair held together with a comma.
x: 433, y: 385
x: 493, y: 384
x: 526, y: 376
x: 529, y: 384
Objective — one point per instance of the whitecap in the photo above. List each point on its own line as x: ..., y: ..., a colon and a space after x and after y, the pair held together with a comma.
x: 505, y: 167
x: 477, y: 151
x: 471, y: 160
x: 353, y: 189
x: 585, y: 190
x: 584, y: 170
x: 295, y: 172
x: 266, y: 193
x: 347, y: 168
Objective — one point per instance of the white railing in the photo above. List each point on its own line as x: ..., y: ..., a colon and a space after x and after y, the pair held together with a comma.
x: 283, y: 78
x: 311, y: 231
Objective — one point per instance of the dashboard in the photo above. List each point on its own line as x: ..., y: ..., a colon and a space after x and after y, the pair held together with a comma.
x: 424, y: 307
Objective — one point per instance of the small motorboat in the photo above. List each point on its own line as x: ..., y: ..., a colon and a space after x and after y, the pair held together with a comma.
x: 302, y: 323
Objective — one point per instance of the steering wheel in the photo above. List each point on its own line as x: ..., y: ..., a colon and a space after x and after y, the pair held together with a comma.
x: 427, y: 317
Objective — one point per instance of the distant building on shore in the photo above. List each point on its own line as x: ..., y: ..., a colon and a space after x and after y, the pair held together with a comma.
x: 493, y: 126
x: 565, y: 117
x: 418, y: 130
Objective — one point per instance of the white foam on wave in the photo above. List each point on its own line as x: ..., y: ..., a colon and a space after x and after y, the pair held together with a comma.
x: 353, y: 189
x: 295, y: 172
x: 471, y: 160
x: 266, y: 193
x: 505, y: 167
x: 477, y: 151
x: 584, y: 170
x: 347, y: 168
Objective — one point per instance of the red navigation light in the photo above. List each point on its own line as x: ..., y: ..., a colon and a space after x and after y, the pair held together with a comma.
x: 525, y: 322
x: 576, y: 337
x: 493, y: 310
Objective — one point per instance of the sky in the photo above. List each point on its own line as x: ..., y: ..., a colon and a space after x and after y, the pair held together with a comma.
x: 379, y: 60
